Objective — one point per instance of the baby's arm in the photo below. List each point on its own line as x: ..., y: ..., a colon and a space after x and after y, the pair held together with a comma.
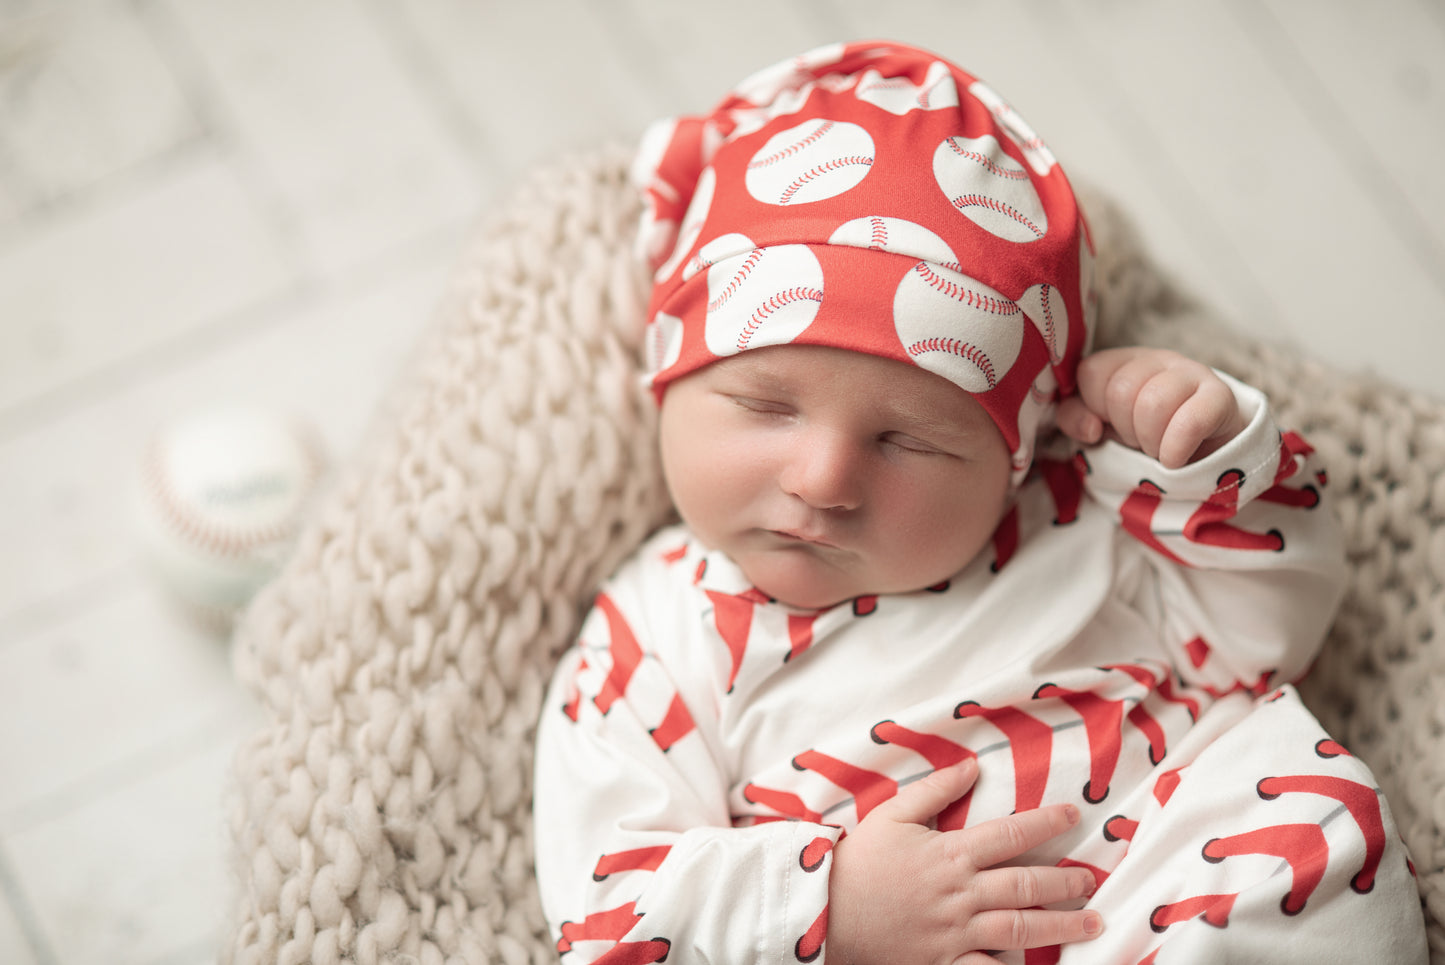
x: 1248, y: 561
x: 637, y: 858
x: 1167, y: 406
x: 901, y: 893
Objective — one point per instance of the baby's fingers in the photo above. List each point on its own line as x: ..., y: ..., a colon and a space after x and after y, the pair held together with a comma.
x: 1031, y: 887
x: 1209, y: 415
x: 924, y: 799
x: 999, y: 840
x: 1032, y: 928
x: 1077, y: 421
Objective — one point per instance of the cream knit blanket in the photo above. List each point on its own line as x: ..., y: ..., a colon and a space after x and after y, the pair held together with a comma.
x: 382, y: 814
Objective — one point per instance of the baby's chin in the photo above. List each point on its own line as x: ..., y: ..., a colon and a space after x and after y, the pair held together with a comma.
x: 802, y: 591
x: 807, y: 601
x: 807, y: 587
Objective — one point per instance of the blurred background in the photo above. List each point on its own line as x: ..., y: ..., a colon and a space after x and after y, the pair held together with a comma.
x: 207, y: 201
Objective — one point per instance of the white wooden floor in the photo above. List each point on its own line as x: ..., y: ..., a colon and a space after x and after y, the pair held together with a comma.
x: 207, y: 200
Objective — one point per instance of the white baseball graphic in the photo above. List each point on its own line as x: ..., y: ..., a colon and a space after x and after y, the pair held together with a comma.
x: 812, y: 161
x: 657, y: 234
x: 662, y: 342
x: 899, y: 95
x: 1044, y: 305
x: 692, y: 222
x: 765, y: 296
x: 718, y: 249
x: 896, y: 235
x: 220, y: 499
x: 1031, y: 411
x: 765, y: 85
x: 1035, y: 151
x: 990, y: 188
x: 782, y: 88
x: 956, y: 326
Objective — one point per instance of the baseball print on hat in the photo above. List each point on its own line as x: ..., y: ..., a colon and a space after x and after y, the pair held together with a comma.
x: 877, y: 198
x: 816, y: 160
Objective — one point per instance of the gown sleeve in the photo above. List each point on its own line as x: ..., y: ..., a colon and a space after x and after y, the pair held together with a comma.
x: 637, y: 856
x: 1247, y: 557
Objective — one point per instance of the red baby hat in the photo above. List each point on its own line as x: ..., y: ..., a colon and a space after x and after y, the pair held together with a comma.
x: 872, y: 197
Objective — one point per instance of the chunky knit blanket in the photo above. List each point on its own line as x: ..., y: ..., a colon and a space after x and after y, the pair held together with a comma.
x: 382, y: 813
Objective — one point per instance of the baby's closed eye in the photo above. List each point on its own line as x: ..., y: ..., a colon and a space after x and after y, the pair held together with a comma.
x: 762, y: 406
x: 902, y: 440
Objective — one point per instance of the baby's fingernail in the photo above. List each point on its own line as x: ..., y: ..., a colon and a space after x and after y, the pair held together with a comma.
x: 1093, y: 925
x: 1071, y: 814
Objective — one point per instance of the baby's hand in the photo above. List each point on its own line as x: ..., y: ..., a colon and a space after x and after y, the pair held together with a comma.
x: 902, y: 893
x: 1169, y: 407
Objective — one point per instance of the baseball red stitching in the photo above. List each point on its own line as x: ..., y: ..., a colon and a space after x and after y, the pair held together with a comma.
x: 740, y: 276
x: 880, y: 233
x: 980, y: 201
x: 920, y: 95
x: 987, y: 162
x: 819, y: 171
x: 1009, y: 119
x: 964, y: 350
x: 226, y: 542
x: 971, y: 298
x: 781, y: 300
x: 772, y: 159
x: 1050, y: 334
x: 891, y: 83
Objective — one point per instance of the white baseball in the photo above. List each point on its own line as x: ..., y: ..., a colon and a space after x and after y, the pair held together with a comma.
x: 896, y: 235
x: 762, y: 296
x: 764, y: 85
x: 662, y: 342
x: 956, y: 326
x: 990, y: 188
x: 691, y: 227
x: 656, y: 234
x: 220, y: 498
x: 1036, y: 152
x: 1031, y: 414
x: 812, y: 161
x: 899, y: 95
x: 1045, y: 307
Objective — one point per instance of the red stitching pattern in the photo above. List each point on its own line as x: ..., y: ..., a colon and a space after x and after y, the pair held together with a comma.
x: 1050, y: 334
x: 820, y: 170
x: 964, y: 350
x: 739, y: 277
x: 223, y: 541
x: 980, y: 201
x: 889, y: 82
x: 897, y: 83
x: 880, y: 233
x: 792, y: 149
x: 987, y: 162
x: 971, y: 298
x: 780, y: 300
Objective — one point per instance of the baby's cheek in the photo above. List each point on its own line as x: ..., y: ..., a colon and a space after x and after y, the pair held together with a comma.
x: 947, y: 535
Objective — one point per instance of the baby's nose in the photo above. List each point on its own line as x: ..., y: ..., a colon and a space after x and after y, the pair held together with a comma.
x: 825, y: 472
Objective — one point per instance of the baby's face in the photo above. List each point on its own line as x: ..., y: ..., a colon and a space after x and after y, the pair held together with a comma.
x: 827, y: 474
